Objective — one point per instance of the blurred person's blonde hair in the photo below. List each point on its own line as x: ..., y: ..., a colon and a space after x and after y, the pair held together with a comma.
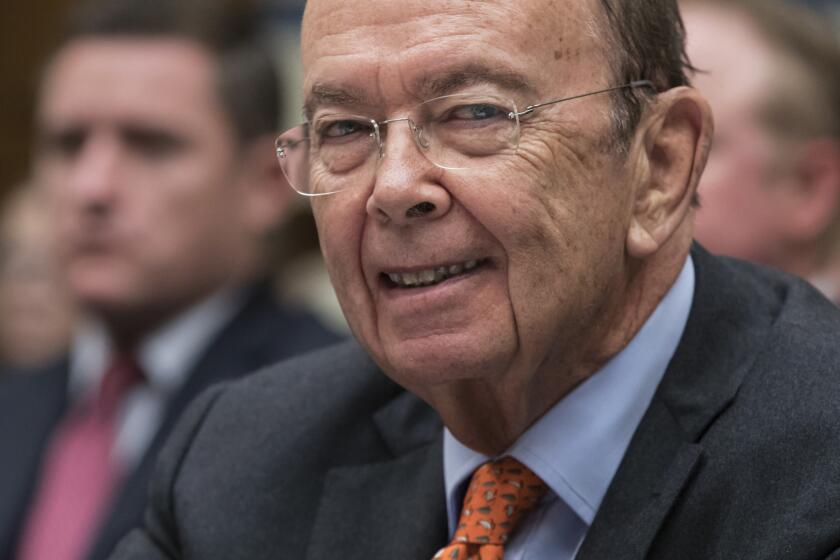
x: 36, y: 309
x: 803, y: 104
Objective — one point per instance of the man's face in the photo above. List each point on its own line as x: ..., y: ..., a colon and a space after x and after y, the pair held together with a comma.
x: 546, y: 226
x: 743, y: 207
x: 140, y: 164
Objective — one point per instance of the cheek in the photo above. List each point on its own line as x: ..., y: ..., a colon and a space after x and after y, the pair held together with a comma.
x: 59, y: 197
x: 556, y: 206
x: 186, y: 214
x: 340, y: 219
x: 558, y: 244
x: 738, y: 213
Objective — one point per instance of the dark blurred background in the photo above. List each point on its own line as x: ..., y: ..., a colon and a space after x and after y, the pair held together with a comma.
x: 29, y: 32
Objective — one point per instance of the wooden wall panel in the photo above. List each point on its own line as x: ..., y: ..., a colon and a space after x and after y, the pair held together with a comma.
x: 28, y: 32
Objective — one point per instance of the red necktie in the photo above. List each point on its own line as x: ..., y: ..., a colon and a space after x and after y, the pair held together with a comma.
x: 500, y: 493
x: 78, y: 477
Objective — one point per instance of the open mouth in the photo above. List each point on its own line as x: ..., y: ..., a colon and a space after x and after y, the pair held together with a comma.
x: 431, y: 276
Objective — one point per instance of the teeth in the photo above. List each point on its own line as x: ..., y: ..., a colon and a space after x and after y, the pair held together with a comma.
x: 432, y: 275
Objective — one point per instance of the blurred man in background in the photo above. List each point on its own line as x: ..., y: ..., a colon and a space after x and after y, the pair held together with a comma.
x: 771, y: 192
x: 36, y: 309
x: 156, y: 149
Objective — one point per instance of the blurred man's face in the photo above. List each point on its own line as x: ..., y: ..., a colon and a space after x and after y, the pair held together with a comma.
x: 545, y: 226
x: 743, y: 208
x: 140, y: 163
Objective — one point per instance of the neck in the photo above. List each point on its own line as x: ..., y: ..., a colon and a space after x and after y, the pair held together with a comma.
x: 129, y: 325
x: 803, y: 260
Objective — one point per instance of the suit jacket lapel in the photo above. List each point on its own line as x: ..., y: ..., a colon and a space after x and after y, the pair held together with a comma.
x: 30, y: 407
x: 242, y: 346
x: 717, y: 350
x: 392, y: 509
x: 655, y: 470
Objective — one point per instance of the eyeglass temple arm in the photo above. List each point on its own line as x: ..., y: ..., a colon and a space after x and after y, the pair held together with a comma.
x: 531, y: 108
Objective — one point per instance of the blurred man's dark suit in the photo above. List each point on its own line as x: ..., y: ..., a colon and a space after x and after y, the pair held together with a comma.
x: 32, y: 404
x: 324, y: 457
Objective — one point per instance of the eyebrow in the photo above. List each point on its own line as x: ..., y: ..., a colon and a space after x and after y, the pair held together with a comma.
x: 427, y: 87
x: 326, y: 94
x: 471, y: 74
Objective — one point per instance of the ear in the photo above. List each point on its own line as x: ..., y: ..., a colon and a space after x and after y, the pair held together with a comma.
x: 267, y: 194
x: 813, y: 201
x: 673, y: 144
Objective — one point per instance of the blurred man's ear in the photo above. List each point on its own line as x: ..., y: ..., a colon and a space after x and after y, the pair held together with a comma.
x: 674, y: 146
x: 268, y: 194
x: 813, y: 202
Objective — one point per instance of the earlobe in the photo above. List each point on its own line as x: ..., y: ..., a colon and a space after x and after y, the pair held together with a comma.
x: 674, y: 140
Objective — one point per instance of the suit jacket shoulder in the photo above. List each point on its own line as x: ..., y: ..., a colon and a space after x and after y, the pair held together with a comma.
x: 323, y: 457
x: 30, y: 406
x: 259, y: 334
x: 300, y: 455
x: 735, y: 455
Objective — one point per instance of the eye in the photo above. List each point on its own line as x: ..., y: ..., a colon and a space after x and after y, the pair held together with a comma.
x: 342, y: 129
x: 153, y: 143
x: 476, y: 112
x: 63, y: 143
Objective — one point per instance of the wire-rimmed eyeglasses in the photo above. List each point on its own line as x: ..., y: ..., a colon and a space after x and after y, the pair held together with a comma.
x: 337, y: 151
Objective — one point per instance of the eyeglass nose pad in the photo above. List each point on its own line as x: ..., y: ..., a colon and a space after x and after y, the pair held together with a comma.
x: 377, y: 138
x: 419, y: 135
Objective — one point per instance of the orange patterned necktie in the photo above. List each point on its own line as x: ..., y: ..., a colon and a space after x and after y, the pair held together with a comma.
x: 501, y: 492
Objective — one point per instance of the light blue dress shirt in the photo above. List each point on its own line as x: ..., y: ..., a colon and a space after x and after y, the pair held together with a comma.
x: 576, y: 447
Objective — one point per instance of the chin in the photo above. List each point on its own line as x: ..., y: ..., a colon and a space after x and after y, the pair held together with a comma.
x: 102, y: 293
x: 437, y: 360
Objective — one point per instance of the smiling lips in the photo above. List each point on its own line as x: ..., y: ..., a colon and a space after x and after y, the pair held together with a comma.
x: 431, y: 276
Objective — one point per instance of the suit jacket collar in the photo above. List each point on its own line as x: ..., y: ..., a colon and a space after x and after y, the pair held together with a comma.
x: 726, y: 327
x: 390, y: 509
x: 166, y: 356
x: 244, y: 344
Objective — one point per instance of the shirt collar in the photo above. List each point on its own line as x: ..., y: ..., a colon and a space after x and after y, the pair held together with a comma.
x: 576, y: 447
x: 827, y: 285
x: 166, y: 356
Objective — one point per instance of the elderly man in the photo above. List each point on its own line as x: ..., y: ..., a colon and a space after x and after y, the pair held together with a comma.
x: 156, y: 151
x: 504, y: 192
x: 771, y: 192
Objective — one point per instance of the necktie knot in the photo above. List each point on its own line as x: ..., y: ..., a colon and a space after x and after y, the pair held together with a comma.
x: 122, y: 374
x: 500, y: 493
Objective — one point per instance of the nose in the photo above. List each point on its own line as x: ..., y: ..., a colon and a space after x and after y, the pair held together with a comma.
x: 93, y: 179
x: 407, y: 187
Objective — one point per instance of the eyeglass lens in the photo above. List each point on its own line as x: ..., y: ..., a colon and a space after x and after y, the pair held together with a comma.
x: 338, y: 151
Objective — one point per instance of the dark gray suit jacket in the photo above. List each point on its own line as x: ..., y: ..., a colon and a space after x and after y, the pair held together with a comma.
x: 32, y: 404
x: 737, y: 457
